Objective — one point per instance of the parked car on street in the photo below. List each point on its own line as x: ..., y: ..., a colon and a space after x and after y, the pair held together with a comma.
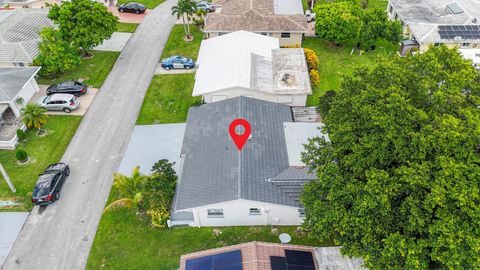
x: 68, y: 87
x: 132, y: 7
x: 177, y: 62
x: 203, y: 5
x: 49, y: 184
x: 59, y: 102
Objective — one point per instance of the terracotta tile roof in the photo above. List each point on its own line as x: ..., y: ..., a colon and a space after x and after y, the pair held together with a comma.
x: 255, y: 255
x: 253, y: 16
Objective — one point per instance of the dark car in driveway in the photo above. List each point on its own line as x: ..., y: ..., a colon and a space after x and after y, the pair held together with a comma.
x: 68, y: 87
x: 177, y: 62
x: 132, y: 7
x: 49, y: 184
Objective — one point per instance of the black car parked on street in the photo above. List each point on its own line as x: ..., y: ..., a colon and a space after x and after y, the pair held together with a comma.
x: 68, y: 87
x: 132, y: 7
x: 49, y: 184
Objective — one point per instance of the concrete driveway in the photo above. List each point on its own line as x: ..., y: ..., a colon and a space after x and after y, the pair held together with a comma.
x: 10, y: 225
x: 60, y: 236
x: 85, y: 101
x: 115, y: 43
x: 128, y: 17
x: 149, y: 144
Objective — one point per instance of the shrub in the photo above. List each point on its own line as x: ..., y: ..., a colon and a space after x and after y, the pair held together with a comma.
x: 314, y: 77
x: 159, y: 217
x: 21, y: 155
x: 312, y: 59
x: 325, y: 102
x: 21, y: 135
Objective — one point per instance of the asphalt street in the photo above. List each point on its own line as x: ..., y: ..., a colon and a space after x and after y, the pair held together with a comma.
x: 60, y: 236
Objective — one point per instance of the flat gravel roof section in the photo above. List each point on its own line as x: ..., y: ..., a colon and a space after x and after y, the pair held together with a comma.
x: 296, y: 135
x: 149, y: 144
x: 11, y: 224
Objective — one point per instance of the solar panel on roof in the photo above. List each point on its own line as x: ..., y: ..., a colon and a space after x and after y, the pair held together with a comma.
x: 227, y: 259
x: 231, y: 260
x: 299, y: 260
x: 466, y: 32
x: 202, y: 263
x: 278, y: 263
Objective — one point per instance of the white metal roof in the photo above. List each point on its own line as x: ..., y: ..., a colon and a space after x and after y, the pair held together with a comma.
x: 288, y: 7
x: 296, y: 135
x: 225, y: 61
x: 472, y: 54
x: 13, y: 80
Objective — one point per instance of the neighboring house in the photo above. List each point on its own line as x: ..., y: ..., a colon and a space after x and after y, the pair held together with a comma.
x: 282, y: 19
x: 472, y: 54
x: 269, y: 256
x: 17, y: 87
x: 221, y: 186
x: 30, y: 3
x: 454, y: 23
x: 43, y: 3
x: 20, y: 35
x: 248, y: 64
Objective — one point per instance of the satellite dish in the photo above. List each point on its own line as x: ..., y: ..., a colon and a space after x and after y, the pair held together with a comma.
x: 285, y: 238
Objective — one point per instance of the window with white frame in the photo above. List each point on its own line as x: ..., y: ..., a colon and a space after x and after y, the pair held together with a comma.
x: 215, y: 213
x: 255, y: 211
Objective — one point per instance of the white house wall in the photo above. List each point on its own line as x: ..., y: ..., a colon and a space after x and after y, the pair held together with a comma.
x: 237, y: 213
x: 26, y: 94
x: 292, y: 100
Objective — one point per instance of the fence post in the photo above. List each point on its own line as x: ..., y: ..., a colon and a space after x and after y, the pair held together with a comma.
x: 7, y: 178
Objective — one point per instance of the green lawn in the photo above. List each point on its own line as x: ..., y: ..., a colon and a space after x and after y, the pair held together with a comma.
x: 337, y: 61
x: 126, y: 241
x: 94, y: 71
x: 126, y: 27
x: 168, y: 99
x: 42, y: 151
x: 177, y: 46
x: 150, y: 4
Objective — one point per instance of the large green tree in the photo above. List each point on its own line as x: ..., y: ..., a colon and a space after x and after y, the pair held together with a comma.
x: 337, y: 22
x: 376, y: 25
x: 399, y: 180
x: 56, y: 55
x: 83, y: 23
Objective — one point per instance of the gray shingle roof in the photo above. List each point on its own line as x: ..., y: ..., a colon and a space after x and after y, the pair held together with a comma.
x: 254, y: 16
x: 12, y: 80
x: 215, y: 171
x: 19, y: 34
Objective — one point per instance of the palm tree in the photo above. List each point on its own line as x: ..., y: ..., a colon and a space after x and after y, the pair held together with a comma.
x: 129, y: 189
x: 33, y: 116
x: 185, y: 7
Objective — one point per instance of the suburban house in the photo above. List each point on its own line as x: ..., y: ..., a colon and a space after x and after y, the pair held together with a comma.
x: 17, y: 87
x: 19, y: 35
x: 269, y: 256
x: 454, y: 23
x: 30, y: 3
x: 282, y: 19
x: 248, y: 64
x: 260, y: 185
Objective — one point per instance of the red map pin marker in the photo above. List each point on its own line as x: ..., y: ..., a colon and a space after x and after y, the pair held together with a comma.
x: 239, y: 139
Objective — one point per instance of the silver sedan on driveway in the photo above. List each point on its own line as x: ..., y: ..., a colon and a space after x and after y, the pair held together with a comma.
x: 59, y: 102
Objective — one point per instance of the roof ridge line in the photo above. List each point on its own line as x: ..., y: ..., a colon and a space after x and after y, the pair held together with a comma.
x: 239, y: 182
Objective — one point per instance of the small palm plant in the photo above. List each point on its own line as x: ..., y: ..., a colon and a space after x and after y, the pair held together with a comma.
x: 129, y: 189
x: 185, y: 7
x: 33, y: 116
